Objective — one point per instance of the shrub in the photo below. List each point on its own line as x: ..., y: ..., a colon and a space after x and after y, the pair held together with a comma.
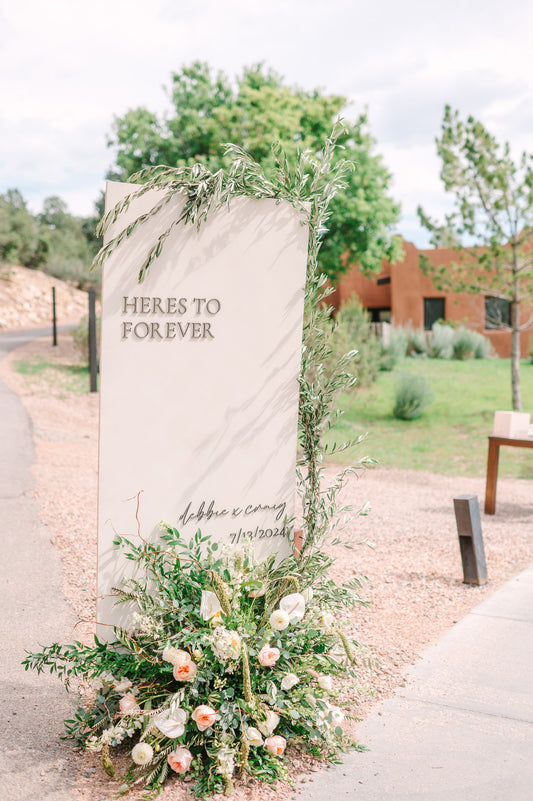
x: 441, y: 342
x: 412, y: 396
x: 395, y: 350
x: 80, y: 335
x: 417, y: 344
x: 351, y: 330
x: 468, y: 344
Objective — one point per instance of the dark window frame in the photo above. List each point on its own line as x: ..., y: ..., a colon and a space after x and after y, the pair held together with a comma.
x: 497, y: 313
x: 440, y: 314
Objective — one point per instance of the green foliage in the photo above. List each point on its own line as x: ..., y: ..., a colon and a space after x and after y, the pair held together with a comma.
x: 351, y: 331
x: 493, y: 196
x: 80, y: 336
x: 395, y: 350
x: 54, y: 241
x: 69, y: 251
x: 196, y: 639
x: 417, y: 343
x: 441, y: 342
x: 259, y: 109
x: 21, y: 241
x: 412, y: 396
x: 468, y: 344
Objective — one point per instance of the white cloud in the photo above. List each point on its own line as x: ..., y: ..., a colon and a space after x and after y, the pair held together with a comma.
x: 66, y: 67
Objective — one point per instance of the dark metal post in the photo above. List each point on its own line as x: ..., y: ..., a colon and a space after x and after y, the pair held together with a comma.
x: 54, y: 319
x: 93, y: 361
x: 470, y: 539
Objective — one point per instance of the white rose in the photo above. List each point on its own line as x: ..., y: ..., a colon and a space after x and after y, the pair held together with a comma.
x: 294, y: 605
x: 289, y: 680
x: 254, y: 736
x: 268, y: 726
x: 171, y: 722
x: 142, y: 754
x: 175, y: 656
x: 325, y: 683
x: 279, y: 620
x: 337, y: 715
x: 209, y: 605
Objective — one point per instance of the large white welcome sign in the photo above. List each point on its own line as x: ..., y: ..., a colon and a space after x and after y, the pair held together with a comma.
x: 199, y: 379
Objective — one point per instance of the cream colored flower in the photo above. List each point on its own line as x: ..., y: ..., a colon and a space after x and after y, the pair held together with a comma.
x: 268, y: 726
x: 254, y: 736
x: 325, y: 683
x: 268, y: 656
x: 204, y: 716
x: 327, y: 619
x: 209, y: 605
x: 180, y: 760
x: 175, y: 656
x: 128, y: 705
x: 122, y: 685
x: 226, y: 644
x: 276, y: 745
x: 294, y: 605
x: 171, y: 722
x: 142, y: 753
x: 279, y: 620
x: 289, y: 680
x: 257, y: 593
x: 337, y: 715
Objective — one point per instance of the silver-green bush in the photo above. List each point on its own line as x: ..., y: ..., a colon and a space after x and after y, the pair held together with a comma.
x: 412, y: 396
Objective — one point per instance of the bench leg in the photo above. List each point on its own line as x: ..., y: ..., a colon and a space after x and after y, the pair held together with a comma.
x: 492, y: 478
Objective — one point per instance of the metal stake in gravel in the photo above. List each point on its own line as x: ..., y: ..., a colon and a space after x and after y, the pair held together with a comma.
x: 470, y: 539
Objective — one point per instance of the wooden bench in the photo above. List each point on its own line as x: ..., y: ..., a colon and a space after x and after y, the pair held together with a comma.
x: 492, y: 466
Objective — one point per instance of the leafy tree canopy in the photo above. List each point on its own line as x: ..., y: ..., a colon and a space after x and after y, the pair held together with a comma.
x: 208, y: 111
x: 20, y: 239
x: 493, y: 210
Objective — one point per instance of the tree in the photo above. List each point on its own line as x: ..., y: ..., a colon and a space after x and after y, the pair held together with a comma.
x: 493, y: 210
x: 70, y: 251
x: 20, y: 239
x: 208, y: 111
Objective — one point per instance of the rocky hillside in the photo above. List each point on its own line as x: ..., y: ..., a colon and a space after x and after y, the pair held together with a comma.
x: 26, y: 299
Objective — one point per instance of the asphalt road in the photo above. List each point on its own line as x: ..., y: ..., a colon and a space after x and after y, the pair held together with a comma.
x: 34, y: 613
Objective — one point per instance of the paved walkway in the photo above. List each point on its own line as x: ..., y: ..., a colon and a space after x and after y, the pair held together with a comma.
x: 462, y: 727
x: 34, y: 612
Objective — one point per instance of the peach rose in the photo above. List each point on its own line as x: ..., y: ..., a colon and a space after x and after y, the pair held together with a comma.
x: 275, y: 745
x: 128, y: 704
x: 184, y: 671
x: 204, y: 716
x: 268, y: 656
x: 180, y: 760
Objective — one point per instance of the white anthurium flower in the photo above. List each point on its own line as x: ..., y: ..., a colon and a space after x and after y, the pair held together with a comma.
x: 325, y: 683
x: 294, y: 605
x: 307, y: 594
x: 279, y: 620
x: 171, y: 722
x: 254, y: 736
x: 268, y: 726
x: 289, y: 680
x: 209, y: 605
x: 258, y: 593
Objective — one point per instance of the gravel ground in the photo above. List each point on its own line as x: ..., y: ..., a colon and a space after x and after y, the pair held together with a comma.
x: 414, y: 570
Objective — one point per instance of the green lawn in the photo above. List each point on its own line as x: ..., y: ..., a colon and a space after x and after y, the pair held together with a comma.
x: 451, y: 436
x: 67, y: 377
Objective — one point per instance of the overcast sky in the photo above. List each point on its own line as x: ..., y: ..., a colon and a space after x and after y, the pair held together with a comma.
x: 68, y: 66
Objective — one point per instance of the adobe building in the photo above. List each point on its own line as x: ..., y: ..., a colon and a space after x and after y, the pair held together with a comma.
x: 403, y: 295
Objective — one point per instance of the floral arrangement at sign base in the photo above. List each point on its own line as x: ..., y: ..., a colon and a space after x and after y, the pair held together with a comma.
x: 226, y: 662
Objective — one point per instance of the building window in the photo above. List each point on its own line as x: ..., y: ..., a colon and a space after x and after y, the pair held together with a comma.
x: 384, y: 280
x: 497, y: 313
x: 433, y: 311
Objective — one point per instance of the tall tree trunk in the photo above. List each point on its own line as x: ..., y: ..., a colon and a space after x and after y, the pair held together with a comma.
x: 515, y: 352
